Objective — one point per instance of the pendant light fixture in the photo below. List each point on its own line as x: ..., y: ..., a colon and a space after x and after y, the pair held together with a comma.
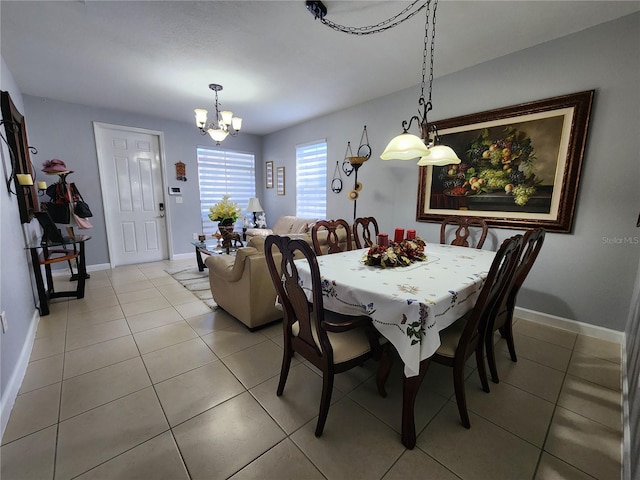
x: 223, y: 124
x: 407, y: 146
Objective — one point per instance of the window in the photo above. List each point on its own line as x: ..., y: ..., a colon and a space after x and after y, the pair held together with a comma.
x: 222, y: 172
x: 311, y: 180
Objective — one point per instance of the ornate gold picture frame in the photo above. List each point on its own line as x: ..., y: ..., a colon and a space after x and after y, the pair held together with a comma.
x: 520, y: 165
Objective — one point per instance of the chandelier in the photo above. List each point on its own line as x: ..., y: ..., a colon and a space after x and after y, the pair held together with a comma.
x: 223, y: 124
x: 407, y: 146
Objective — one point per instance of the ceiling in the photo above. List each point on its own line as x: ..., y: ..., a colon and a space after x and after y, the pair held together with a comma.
x: 277, y: 64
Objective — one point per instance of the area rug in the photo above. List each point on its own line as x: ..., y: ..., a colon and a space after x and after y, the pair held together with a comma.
x: 196, y: 282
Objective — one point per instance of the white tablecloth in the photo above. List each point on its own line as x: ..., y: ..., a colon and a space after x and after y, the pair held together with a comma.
x: 408, y: 305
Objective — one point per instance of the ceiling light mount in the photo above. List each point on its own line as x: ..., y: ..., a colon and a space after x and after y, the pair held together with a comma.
x: 317, y: 9
x: 223, y: 124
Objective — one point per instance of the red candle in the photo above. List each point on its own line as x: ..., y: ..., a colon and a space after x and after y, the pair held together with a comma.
x: 411, y: 234
x: 383, y: 240
x: 399, y: 235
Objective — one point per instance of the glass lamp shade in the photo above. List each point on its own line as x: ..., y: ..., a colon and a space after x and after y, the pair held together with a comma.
x: 236, y: 123
x: 254, y: 205
x: 405, y: 147
x: 24, y: 179
x: 226, y: 117
x: 218, y: 134
x: 201, y: 117
x: 440, y: 155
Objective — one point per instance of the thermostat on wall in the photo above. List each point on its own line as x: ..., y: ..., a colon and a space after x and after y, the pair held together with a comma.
x: 175, y: 191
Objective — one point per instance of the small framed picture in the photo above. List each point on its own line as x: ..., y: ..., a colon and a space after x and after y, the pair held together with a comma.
x: 280, y: 180
x: 269, y: 174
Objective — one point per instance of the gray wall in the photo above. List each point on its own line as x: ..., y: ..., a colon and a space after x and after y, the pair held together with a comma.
x: 577, y: 276
x: 16, y: 292
x: 65, y: 130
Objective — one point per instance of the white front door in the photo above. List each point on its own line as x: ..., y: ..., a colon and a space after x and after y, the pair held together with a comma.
x: 132, y: 194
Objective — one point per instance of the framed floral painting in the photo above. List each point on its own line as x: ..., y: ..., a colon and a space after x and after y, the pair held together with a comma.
x: 269, y: 174
x: 520, y: 165
x: 280, y: 180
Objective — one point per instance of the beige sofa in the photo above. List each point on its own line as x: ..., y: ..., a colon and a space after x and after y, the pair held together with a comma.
x: 286, y: 225
x: 297, y: 227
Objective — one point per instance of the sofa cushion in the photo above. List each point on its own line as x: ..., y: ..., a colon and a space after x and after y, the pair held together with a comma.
x: 291, y: 224
x: 257, y: 243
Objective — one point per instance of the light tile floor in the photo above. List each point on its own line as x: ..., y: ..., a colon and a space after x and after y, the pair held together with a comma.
x: 140, y: 380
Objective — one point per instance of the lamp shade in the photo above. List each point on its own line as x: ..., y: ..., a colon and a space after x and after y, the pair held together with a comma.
x: 24, y: 179
x: 236, y: 123
x: 226, y: 117
x: 254, y: 205
x: 405, y: 147
x: 201, y: 117
x: 440, y: 155
x: 218, y: 134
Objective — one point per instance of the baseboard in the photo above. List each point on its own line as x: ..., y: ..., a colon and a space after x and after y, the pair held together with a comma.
x: 10, y: 393
x: 183, y: 256
x: 570, y: 325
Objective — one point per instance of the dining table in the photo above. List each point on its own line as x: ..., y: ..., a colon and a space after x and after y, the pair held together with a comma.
x: 408, y: 305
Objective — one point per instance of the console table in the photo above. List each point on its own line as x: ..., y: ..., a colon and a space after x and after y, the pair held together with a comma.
x: 211, y: 247
x: 47, y: 253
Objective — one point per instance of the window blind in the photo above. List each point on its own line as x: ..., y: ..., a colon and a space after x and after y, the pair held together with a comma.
x: 223, y: 172
x: 311, y: 180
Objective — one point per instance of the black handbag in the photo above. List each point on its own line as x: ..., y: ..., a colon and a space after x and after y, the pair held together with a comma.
x: 81, y: 208
x: 59, y: 212
x: 58, y: 207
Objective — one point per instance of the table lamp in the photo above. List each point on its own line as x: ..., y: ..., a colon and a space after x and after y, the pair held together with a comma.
x: 254, y: 207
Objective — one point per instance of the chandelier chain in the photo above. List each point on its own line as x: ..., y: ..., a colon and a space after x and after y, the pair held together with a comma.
x: 380, y: 27
x: 433, y: 38
x: 424, y: 51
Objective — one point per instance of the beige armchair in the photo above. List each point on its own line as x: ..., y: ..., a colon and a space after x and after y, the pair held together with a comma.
x: 241, y: 285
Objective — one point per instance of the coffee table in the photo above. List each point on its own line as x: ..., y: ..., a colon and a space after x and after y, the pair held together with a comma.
x: 210, y: 247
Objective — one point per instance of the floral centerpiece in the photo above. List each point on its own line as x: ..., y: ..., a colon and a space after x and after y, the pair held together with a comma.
x: 495, y: 164
x: 397, y: 254
x: 226, y: 212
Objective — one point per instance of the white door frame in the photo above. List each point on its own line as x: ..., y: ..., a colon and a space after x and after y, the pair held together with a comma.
x: 110, y: 241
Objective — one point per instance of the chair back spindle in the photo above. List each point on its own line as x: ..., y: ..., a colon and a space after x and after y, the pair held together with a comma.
x: 365, y: 231
x: 464, y: 227
x: 339, y: 236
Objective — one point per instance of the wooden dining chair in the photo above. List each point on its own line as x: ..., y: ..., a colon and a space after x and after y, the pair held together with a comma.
x: 332, y: 342
x: 338, y: 236
x: 365, y: 231
x: 465, y: 336
x: 502, y: 319
x: 464, y: 227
